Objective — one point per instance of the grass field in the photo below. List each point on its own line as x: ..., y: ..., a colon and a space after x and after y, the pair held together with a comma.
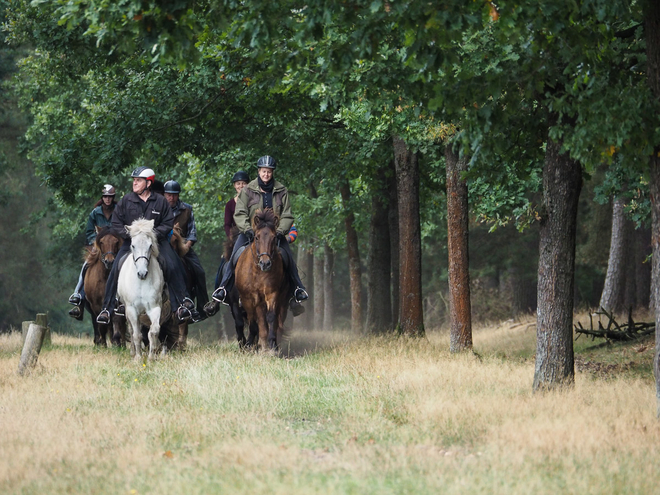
x: 338, y: 414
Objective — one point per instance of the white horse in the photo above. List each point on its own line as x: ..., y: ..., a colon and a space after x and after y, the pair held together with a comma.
x: 140, y: 286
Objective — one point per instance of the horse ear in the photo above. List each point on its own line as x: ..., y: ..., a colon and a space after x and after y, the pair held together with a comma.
x: 255, y: 222
x: 127, y: 228
x: 98, y: 229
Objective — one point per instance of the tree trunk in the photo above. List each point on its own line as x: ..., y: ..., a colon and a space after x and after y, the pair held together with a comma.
x: 328, y: 283
x: 460, y: 318
x: 379, y: 305
x: 305, y: 268
x: 354, y: 268
x: 562, y: 182
x: 319, y: 300
x: 642, y: 267
x: 612, y: 297
x: 411, y: 319
x: 652, y: 32
x: 393, y: 221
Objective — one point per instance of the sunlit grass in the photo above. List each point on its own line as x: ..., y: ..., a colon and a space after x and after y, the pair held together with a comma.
x: 342, y: 414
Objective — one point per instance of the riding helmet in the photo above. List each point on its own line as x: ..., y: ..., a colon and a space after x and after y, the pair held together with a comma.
x: 240, y: 175
x: 144, y: 173
x: 172, y: 187
x: 108, y: 190
x: 266, y: 162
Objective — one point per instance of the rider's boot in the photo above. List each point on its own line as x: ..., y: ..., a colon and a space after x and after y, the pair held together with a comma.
x: 120, y: 309
x: 187, y: 311
x: 296, y: 308
x: 76, y: 312
x: 300, y: 294
x: 75, y: 299
x: 211, y: 308
x: 103, y: 317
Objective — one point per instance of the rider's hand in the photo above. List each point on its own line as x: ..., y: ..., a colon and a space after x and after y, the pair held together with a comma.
x: 249, y: 233
x: 282, y: 237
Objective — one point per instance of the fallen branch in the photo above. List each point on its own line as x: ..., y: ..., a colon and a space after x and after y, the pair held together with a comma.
x: 621, y: 332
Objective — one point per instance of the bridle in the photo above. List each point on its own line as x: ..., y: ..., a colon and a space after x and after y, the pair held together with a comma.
x: 256, y: 255
x: 104, y: 257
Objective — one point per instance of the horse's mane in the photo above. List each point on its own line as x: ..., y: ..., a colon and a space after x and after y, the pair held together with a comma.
x: 142, y: 226
x: 95, y: 254
x: 265, y: 219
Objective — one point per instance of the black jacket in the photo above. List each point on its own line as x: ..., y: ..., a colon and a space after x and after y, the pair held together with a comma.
x: 131, y: 208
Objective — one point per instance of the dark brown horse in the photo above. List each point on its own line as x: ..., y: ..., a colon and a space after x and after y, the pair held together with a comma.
x: 99, y: 261
x: 261, y: 281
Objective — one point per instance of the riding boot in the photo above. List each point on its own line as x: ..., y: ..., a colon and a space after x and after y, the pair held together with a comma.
x: 76, y: 298
x: 226, y: 285
x: 77, y: 312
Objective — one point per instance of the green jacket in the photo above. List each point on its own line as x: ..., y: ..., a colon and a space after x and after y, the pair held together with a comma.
x: 250, y: 200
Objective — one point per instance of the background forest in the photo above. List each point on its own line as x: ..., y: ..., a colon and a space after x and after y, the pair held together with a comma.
x: 89, y: 94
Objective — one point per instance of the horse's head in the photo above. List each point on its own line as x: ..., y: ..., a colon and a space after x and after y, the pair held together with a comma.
x: 143, y: 245
x: 264, y: 225
x: 108, y: 245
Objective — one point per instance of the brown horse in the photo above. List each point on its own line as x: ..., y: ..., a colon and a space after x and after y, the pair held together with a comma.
x: 99, y: 261
x: 261, y: 281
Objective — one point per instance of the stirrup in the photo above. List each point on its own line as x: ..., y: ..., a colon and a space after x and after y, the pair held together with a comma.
x: 183, y: 314
x: 300, y: 294
x: 120, y: 310
x: 103, y: 317
x: 219, y: 295
x: 75, y: 299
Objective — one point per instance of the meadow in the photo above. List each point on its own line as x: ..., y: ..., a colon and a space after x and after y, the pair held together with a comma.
x: 338, y: 413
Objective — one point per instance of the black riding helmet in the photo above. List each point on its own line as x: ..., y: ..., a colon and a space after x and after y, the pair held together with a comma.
x: 240, y: 175
x: 172, y: 187
x: 266, y: 162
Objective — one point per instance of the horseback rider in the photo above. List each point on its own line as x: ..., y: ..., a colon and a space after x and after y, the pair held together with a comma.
x: 142, y: 202
x: 263, y: 192
x: 99, y: 217
x: 186, y: 221
x: 239, y: 180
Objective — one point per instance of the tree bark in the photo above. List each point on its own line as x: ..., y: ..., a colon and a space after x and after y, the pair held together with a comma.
x: 652, y: 32
x: 393, y: 220
x: 355, y: 271
x: 319, y: 299
x: 305, y: 268
x: 562, y: 182
x: 379, y: 304
x: 642, y: 267
x: 612, y: 296
x: 460, y: 309
x: 328, y: 286
x: 411, y: 319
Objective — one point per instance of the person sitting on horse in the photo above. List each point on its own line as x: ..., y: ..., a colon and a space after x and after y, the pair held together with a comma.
x: 98, y: 218
x: 240, y: 180
x: 142, y: 202
x: 263, y: 192
x: 183, y: 215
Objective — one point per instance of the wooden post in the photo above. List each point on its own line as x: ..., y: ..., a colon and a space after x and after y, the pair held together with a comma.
x: 24, y: 329
x: 31, y: 348
x: 42, y: 320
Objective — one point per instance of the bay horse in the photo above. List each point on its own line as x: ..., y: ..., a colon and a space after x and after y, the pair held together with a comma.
x: 99, y: 262
x: 262, y: 283
x: 140, y: 287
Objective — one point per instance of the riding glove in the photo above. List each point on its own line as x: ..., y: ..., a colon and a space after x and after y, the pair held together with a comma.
x: 249, y: 233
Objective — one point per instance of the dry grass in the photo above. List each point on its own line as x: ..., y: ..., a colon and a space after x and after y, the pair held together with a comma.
x: 344, y: 415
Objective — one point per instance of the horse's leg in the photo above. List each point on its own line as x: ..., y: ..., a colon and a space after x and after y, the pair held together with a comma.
x: 239, y: 323
x: 271, y: 316
x: 263, y: 327
x: 183, y: 337
x: 136, y: 333
x: 154, y: 330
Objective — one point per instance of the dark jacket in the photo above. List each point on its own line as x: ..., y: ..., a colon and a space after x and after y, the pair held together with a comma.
x: 186, y: 222
x: 96, y: 219
x: 131, y: 208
